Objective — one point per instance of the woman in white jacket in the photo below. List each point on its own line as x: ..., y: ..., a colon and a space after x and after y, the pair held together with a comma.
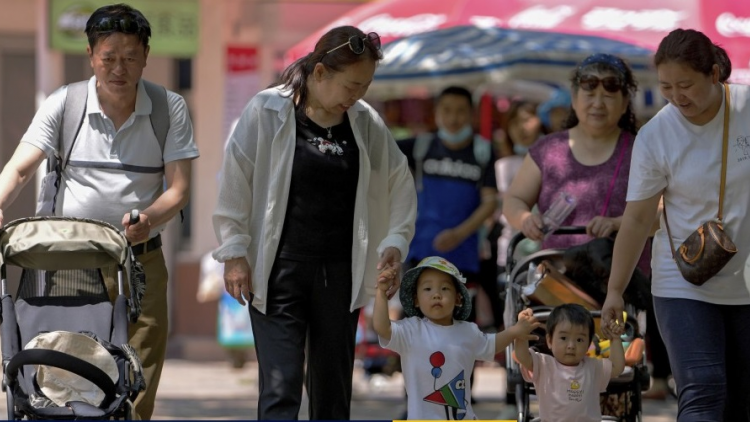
x: 315, y: 198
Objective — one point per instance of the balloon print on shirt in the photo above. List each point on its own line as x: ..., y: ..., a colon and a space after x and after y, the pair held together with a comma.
x: 452, y: 396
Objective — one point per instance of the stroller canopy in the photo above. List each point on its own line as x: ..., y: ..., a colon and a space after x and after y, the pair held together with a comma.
x: 62, y: 243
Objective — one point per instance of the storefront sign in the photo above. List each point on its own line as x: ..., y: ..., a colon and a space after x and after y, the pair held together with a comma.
x: 242, y: 82
x: 174, y: 24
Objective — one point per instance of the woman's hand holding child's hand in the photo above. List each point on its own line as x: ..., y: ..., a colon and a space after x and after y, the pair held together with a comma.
x: 386, y: 278
x: 615, y: 329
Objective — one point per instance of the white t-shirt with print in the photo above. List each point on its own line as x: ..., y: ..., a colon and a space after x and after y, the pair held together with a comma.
x: 569, y: 393
x: 672, y: 153
x: 437, y: 362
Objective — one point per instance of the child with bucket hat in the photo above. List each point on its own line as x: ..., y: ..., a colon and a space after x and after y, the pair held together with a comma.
x: 438, y: 347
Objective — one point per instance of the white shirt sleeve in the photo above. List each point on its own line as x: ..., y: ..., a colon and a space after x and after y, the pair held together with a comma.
x: 401, y: 331
x: 44, y: 130
x: 180, y: 144
x: 647, y: 174
x: 603, y: 373
x: 402, y: 193
x: 231, y: 218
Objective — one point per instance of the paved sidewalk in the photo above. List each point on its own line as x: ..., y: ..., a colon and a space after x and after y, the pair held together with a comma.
x: 214, y: 390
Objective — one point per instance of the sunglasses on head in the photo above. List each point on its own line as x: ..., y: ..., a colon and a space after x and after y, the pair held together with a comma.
x: 610, y: 84
x: 124, y: 24
x: 357, y: 43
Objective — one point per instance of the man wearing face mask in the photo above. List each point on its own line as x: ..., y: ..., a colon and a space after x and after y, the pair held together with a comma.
x: 456, y: 189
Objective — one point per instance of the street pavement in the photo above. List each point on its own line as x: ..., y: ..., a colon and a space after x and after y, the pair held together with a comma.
x: 215, y: 390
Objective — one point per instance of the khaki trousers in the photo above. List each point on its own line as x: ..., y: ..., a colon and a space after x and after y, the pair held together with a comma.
x: 148, y: 335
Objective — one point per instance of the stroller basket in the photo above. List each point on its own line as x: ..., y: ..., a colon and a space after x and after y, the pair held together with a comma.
x: 62, y: 294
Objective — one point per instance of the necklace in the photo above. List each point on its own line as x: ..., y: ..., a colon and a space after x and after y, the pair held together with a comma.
x: 327, y: 146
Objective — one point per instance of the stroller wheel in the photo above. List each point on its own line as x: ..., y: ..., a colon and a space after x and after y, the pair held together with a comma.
x: 10, y: 404
x: 128, y: 410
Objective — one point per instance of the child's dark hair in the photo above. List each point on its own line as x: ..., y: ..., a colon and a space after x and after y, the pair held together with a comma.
x: 573, y: 313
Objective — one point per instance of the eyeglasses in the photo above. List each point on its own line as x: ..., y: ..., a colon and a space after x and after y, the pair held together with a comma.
x: 125, y: 24
x: 357, y: 43
x: 610, y: 84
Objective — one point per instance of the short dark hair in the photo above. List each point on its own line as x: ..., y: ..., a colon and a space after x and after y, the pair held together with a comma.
x: 121, y: 18
x: 458, y: 91
x: 694, y: 49
x: 573, y: 313
x: 295, y: 76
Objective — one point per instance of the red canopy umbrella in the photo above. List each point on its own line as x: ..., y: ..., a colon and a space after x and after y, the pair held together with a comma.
x: 639, y: 22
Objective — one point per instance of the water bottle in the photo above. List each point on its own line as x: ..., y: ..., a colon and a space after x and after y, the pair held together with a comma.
x: 557, y: 213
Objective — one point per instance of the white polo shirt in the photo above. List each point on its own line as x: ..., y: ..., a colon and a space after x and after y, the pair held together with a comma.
x: 113, y: 171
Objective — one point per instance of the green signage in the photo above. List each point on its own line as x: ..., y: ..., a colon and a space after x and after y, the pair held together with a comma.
x: 174, y: 24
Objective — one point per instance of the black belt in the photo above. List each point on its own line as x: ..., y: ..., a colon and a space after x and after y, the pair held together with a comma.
x: 148, y: 246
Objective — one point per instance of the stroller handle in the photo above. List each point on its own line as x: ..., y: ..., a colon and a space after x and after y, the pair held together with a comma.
x: 518, y: 237
x: 135, y: 216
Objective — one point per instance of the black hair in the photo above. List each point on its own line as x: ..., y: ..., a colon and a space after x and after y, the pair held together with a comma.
x: 573, y: 313
x: 694, y: 49
x: 294, y: 77
x: 117, y: 11
x: 621, y: 68
x: 458, y: 91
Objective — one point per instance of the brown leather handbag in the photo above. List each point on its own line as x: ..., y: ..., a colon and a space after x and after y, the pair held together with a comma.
x: 708, y: 249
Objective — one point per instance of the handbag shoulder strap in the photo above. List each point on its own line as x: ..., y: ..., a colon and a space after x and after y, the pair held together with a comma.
x: 724, y: 148
x: 723, y: 183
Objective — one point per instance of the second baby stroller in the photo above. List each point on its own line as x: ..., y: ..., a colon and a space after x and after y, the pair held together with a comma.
x: 538, y: 281
x: 64, y: 344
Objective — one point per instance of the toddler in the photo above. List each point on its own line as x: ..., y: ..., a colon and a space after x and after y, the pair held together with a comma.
x: 568, y: 383
x: 438, y: 347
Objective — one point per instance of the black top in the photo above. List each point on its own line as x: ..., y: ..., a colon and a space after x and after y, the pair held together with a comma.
x: 320, y: 214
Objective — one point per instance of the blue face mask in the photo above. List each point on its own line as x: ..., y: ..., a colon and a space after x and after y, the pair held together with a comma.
x: 458, y: 137
x: 520, y: 149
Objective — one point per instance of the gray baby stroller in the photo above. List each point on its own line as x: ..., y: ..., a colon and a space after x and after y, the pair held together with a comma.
x: 524, y: 289
x: 64, y: 344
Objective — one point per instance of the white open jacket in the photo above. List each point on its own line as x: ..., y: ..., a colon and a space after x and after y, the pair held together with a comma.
x: 254, y: 190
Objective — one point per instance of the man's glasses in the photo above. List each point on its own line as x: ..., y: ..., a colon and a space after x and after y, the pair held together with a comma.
x: 125, y: 24
x: 357, y: 43
x: 610, y: 84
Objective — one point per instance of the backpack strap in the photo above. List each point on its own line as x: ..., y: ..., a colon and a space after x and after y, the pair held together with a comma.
x: 483, y: 154
x: 73, y: 113
x: 421, y: 145
x: 482, y: 151
x: 74, y: 110
x: 159, y: 111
